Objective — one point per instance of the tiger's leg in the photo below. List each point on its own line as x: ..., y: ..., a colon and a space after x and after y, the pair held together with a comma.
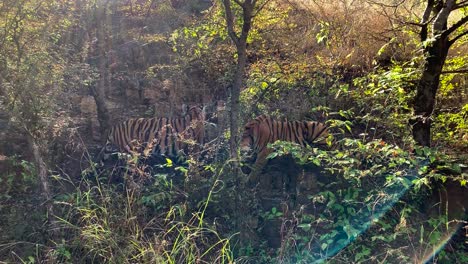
x: 257, y: 167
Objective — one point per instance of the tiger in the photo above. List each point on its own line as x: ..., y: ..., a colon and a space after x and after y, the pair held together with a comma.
x: 158, y: 136
x: 263, y: 130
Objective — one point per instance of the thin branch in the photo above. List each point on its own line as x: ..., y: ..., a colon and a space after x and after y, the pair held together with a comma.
x: 440, y: 23
x: 455, y: 71
x: 427, y: 12
x: 230, y: 21
x: 457, y: 37
x: 248, y: 8
x: 461, y: 4
x: 413, y: 23
x: 148, y: 13
x: 425, y: 20
x: 239, y: 2
x: 260, y: 8
x: 455, y: 26
x: 264, y: 93
x: 386, y: 5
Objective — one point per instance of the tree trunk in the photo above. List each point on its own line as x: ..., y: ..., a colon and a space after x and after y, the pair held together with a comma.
x: 240, y: 40
x: 241, y: 44
x: 434, y: 22
x: 102, y: 111
x: 435, y: 55
x: 235, y: 101
x: 99, y: 90
x: 44, y: 183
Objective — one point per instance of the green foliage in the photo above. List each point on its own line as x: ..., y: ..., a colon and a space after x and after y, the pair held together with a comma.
x: 323, y: 35
x: 450, y: 122
x: 305, y: 61
x: 381, y: 102
x: 200, y: 38
x: 21, y: 210
x: 20, y: 177
x: 452, y: 127
x: 150, y: 223
x: 160, y: 194
x: 271, y: 215
x: 31, y: 70
x: 370, y: 200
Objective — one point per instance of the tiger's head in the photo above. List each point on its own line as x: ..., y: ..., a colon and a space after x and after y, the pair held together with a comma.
x: 247, y: 139
x: 248, y: 156
x: 251, y: 136
x: 111, y: 147
x: 251, y: 141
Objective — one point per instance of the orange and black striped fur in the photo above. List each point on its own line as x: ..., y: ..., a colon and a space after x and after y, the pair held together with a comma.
x: 261, y: 131
x: 157, y: 136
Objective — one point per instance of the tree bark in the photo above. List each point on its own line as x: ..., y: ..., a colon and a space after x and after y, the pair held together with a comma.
x: 436, y: 44
x: 44, y: 183
x: 235, y: 101
x: 241, y: 46
x: 240, y: 41
x: 99, y: 90
x: 427, y: 90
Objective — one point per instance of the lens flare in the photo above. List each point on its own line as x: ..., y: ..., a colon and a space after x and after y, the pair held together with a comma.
x: 446, y: 238
x: 365, y: 219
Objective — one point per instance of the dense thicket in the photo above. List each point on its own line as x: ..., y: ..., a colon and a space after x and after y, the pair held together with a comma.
x: 388, y: 78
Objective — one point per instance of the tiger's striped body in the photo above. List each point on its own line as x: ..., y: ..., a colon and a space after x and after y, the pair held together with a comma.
x: 157, y: 136
x: 261, y: 131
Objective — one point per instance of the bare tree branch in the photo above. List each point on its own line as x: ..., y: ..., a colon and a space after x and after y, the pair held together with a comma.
x: 425, y: 20
x: 240, y: 40
x: 427, y: 12
x: 455, y: 26
x: 457, y: 37
x: 386, y: 5
x: 440, y: 23
x: 261, y: 8
x: 230, y: 21
x: 455, y: 71
x: 461, y: 4
x: 248, y: 8
x: 239, y: 2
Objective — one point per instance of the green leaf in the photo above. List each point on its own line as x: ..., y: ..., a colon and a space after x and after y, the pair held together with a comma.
x: 351, y: 211
x: 272, y: 155
x: 456, y: 168
x: 324, y: 246
x: 315, y: 161
x: 305, y: 227
x: 421, y: 239
x: 182, y: 169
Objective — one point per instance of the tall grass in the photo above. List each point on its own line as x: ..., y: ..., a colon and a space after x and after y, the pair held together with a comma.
x: 114, y: 223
